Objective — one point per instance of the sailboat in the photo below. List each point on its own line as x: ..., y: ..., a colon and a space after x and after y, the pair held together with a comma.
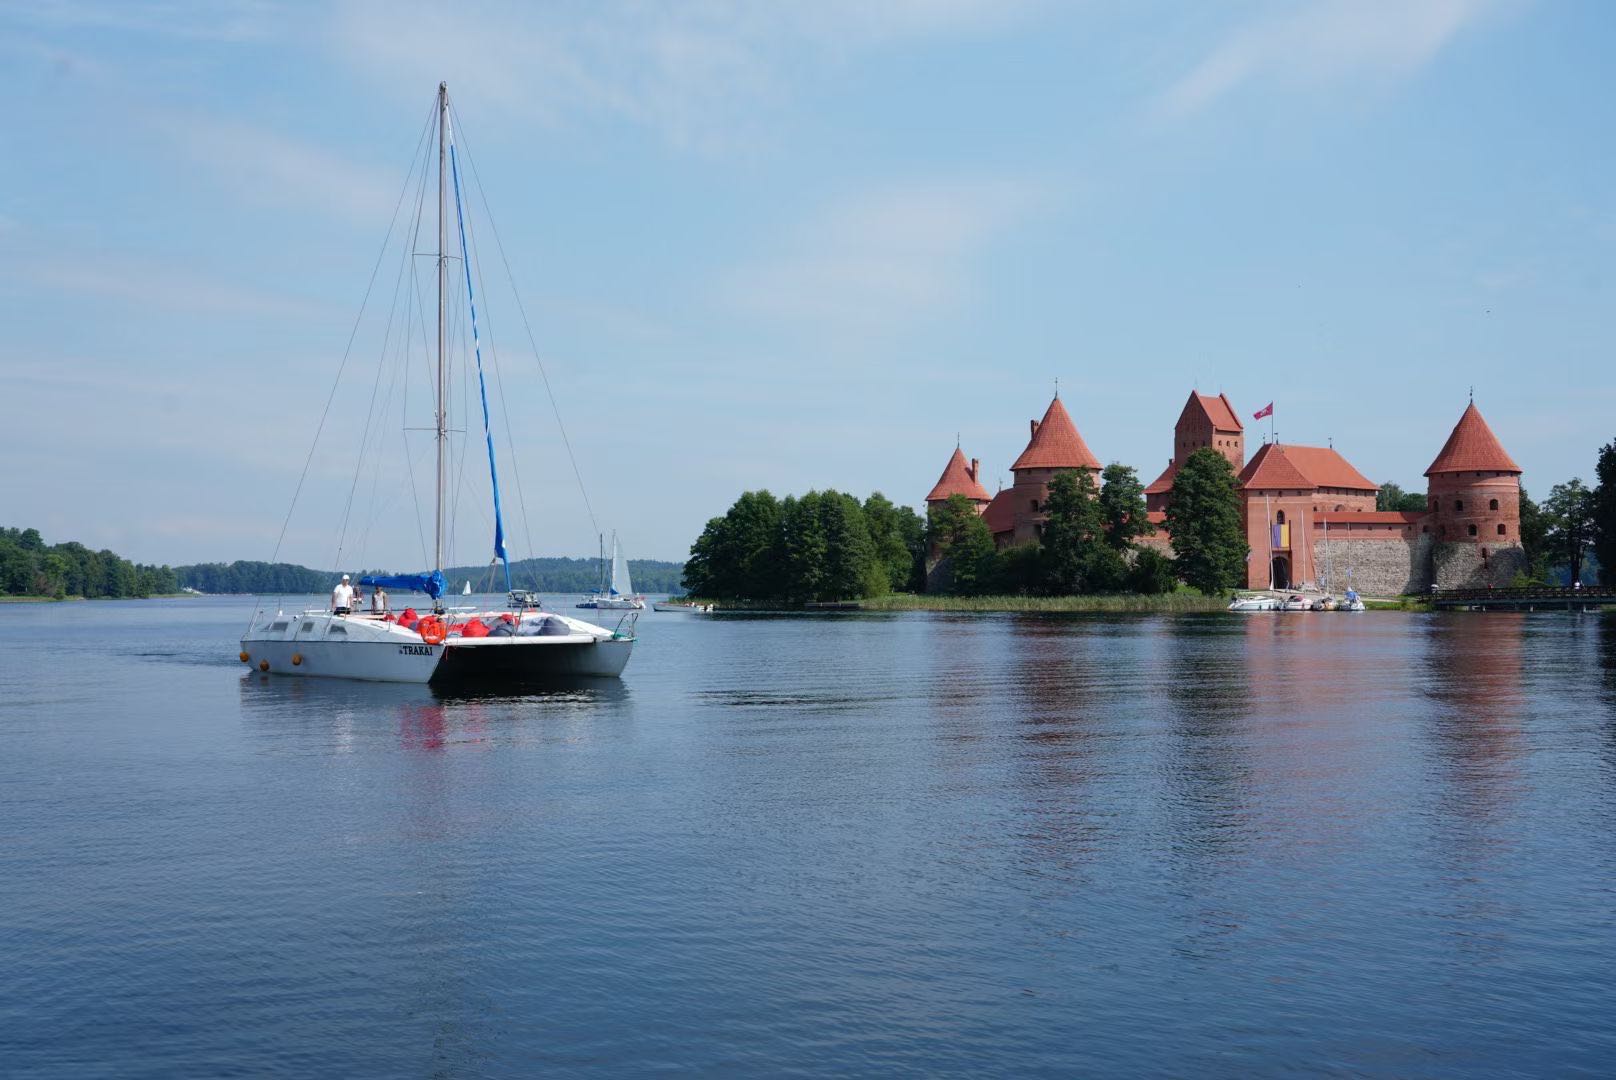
x: 618, y: 593
x: 463, y: 646
x: 467, y: 590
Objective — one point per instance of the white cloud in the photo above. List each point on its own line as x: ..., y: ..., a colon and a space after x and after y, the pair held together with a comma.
x: 1324, y: 41
x: 206, y: 20
x: 151, y: 284
x: 696, y: 73
x: 883, y: 259
x: 271, y: 168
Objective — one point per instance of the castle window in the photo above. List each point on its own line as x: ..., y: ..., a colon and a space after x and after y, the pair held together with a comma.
x: 1458, y: 504
x: 1492, y: 504
x: 1500, y: 528
x: 1472, y: 530
x: 1279, y: 518
x: 1035, y: 506
x: 1442, y: 531
x: 1425, y: 529
x: 1432, y: 501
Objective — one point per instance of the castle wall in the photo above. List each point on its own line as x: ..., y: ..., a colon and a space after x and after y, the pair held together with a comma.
x: 1464, y: 565
x: 1383, y: 566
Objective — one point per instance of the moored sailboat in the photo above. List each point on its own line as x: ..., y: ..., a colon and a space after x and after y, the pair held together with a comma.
x: 478, y: 648
x: 618, y: 594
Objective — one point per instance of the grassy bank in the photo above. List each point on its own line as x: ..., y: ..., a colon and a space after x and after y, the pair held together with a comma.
x: 1167, y: 602
x: 37, y: 599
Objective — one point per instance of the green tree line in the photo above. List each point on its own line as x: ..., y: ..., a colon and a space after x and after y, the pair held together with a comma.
x: 825, y: 545
x: 556, y: 575
x: 30, y: 567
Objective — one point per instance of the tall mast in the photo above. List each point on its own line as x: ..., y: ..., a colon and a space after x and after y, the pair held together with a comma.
x: 443, y: 299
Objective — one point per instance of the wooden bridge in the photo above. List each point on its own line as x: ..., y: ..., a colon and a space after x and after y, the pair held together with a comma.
x: 1532, y: 598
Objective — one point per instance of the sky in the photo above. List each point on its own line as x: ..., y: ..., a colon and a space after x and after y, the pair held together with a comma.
x: 780, y: 245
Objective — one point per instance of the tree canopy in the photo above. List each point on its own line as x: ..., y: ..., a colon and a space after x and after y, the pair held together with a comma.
x: 1203, y: 520
x: 1568, y: 513
x: 1393, y: 497
x: 1604, y: 512
x: 28, y: 567
x: 825, y: 545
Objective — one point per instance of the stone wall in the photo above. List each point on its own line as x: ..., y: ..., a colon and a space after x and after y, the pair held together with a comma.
x: 1461, y: 566
x: 1380, y: 567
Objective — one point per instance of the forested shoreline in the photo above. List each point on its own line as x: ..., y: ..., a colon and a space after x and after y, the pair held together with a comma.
x: 30, y: 567
x: 556, y: 575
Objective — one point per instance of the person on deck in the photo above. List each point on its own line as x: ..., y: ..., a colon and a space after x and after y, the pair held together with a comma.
x: 378, y: 601
x: 342, y: 597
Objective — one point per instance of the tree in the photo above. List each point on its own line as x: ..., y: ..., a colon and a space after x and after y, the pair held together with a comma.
x: 1604, y: 512
x: 733, y: 556
x: 963, y: 544
x: 1203, y: 519
x: 1534, y: 530
x: 1077, y: 557
x: 899, y: 538
x: 852, y: 569
x: 1569, y: 514
x: 1152, y: 573
x: 1122, y: 504
x: 1393, y: 497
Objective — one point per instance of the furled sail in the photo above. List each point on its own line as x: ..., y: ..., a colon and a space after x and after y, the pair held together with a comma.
x: 482, y: 385
x: 431, y: 584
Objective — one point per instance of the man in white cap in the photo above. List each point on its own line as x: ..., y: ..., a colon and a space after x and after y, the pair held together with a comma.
x: 342, y: 597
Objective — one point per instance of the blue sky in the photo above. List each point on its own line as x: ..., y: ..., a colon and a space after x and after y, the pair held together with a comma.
x: 793, y: 245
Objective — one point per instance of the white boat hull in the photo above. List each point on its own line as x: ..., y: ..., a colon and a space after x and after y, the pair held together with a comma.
x: 323, y: 645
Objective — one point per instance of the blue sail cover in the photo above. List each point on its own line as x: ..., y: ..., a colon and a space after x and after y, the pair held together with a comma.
x: 431, y: 584
x: 482, y: 386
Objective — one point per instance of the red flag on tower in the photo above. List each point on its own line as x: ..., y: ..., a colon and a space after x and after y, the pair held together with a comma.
x: 1266, y: 410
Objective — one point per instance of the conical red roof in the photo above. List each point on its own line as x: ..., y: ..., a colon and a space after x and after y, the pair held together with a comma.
x: 1056, y: 444
x: 1472, y: 448
x: 957, y: 480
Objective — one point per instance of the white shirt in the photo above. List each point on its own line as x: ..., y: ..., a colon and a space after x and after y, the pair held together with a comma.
x: 342, y: 596
x: 378, y: 601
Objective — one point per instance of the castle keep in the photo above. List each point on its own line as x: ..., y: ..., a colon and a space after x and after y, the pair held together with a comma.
x: 1309, y: 515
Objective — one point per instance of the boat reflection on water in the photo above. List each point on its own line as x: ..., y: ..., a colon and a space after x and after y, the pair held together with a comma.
x: 424, y: 717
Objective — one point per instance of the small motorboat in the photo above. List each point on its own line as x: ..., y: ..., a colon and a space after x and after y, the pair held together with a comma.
x: 681, y: 605
x: 1294, y: 602
x: 1254, y: 603
x: 1324, y: 603
x: 1350, y: 602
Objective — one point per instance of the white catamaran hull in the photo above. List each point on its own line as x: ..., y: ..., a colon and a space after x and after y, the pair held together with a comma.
x: 323, y: 645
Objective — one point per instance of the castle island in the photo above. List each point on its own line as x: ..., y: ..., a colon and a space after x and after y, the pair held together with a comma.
x: 1309, y: 515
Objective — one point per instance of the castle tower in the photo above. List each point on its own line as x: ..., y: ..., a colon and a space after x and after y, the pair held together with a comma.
x: 1054, y: 445
x: 1206, y: 421
x: 1473, y: 496
x: 960, y: 478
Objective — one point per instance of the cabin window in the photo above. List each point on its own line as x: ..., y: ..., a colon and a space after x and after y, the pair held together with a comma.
x: 335, y: 631
x: 1500, y: 529
x: 307, y: 627
x: 1471, y: 530
x: 1492, y: 504
x: 279, y: 625
x: 1458, y: 504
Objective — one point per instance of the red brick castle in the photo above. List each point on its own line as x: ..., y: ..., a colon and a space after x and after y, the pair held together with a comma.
x: 1310, y: 516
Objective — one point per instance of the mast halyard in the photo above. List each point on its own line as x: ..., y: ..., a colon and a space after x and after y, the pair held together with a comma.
x: 443, y: 294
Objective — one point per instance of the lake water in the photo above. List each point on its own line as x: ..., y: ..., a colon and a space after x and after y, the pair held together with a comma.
x: 855, y: 844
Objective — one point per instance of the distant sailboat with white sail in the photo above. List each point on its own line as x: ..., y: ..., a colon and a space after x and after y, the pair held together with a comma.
x: 618, y: 591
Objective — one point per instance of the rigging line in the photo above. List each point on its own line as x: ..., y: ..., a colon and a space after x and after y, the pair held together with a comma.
x: 373, y: 416
x: 370, y: 410
x: 526, y: 325
x: 504, y: 405
x: 346, y: 352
